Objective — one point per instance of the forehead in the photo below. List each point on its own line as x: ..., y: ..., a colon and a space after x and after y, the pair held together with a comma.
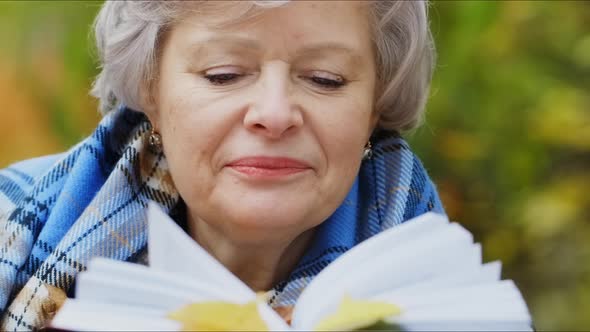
x: 313, y: 25
x: 229, y: 14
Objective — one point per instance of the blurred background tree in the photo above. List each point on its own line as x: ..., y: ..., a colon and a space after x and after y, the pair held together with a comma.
x: 507, y: 137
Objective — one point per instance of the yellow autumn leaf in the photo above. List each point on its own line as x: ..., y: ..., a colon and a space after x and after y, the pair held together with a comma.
x: 356, y: 314
x: 219, y: 316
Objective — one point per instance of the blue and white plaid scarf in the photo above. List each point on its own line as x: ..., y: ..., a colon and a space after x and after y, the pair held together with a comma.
x: 57, y: 212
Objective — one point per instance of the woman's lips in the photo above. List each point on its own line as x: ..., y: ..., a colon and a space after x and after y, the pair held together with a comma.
x: 268, y: 167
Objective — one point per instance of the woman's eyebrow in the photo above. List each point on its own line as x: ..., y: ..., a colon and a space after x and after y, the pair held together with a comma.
x: 321, y: 49
x: 199, y: 47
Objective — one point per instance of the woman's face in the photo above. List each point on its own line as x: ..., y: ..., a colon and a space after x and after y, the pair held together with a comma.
x: 264, y: 122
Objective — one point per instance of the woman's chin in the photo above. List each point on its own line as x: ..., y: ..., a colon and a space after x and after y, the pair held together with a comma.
x: 271, y: 204
x: 266, y: 218
x: 258, y: 221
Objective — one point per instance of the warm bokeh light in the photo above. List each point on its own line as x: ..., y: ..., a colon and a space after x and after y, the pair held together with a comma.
x: 507, y: 137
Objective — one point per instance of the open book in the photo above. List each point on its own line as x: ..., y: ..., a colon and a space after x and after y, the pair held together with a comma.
x: 425, y: 274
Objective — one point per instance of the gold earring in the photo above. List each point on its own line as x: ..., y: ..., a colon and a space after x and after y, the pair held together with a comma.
x: 368, y: 151
x: 155, y: 141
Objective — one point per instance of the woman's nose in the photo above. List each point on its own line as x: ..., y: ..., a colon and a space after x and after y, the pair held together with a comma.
x: 273, y: 112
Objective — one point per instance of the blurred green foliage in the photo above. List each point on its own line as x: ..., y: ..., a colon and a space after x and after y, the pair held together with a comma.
x: 46, y: 68
x: 507, y: 137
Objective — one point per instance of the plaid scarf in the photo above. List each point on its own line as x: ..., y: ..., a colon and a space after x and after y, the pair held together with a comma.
x: 57, y: 212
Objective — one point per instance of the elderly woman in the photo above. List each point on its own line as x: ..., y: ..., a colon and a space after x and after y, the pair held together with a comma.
x: 268, y: 130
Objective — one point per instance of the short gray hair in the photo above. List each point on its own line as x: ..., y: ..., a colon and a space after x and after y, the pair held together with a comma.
x: 129, y: 35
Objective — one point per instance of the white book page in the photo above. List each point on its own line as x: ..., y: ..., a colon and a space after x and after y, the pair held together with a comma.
x: 180, y: 273
x: 174, y: 251
x: 492, y: 304
x: 114, y: 280
x: 497, y: 311
x: 488, y: 293
x: 97, y: 287
x: 79, y: 315
x: 425, y: 257
x: 472, y: 275
x: 386, y: 241
x: 88, y: 315
x: 468, y: 326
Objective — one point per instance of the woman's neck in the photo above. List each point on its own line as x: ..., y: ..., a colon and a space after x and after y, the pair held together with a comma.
x: 259, y: 264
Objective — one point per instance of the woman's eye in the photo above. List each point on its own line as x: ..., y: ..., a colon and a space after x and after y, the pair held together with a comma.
x: 325, y: 81
x: 328, y: 83
x: 223, y: 78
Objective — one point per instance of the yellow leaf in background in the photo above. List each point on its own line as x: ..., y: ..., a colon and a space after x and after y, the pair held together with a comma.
x: 356, y: 314
x: 220, y: 316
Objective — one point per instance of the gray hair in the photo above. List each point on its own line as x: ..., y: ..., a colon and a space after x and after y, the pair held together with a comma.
x: 129, y: 35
